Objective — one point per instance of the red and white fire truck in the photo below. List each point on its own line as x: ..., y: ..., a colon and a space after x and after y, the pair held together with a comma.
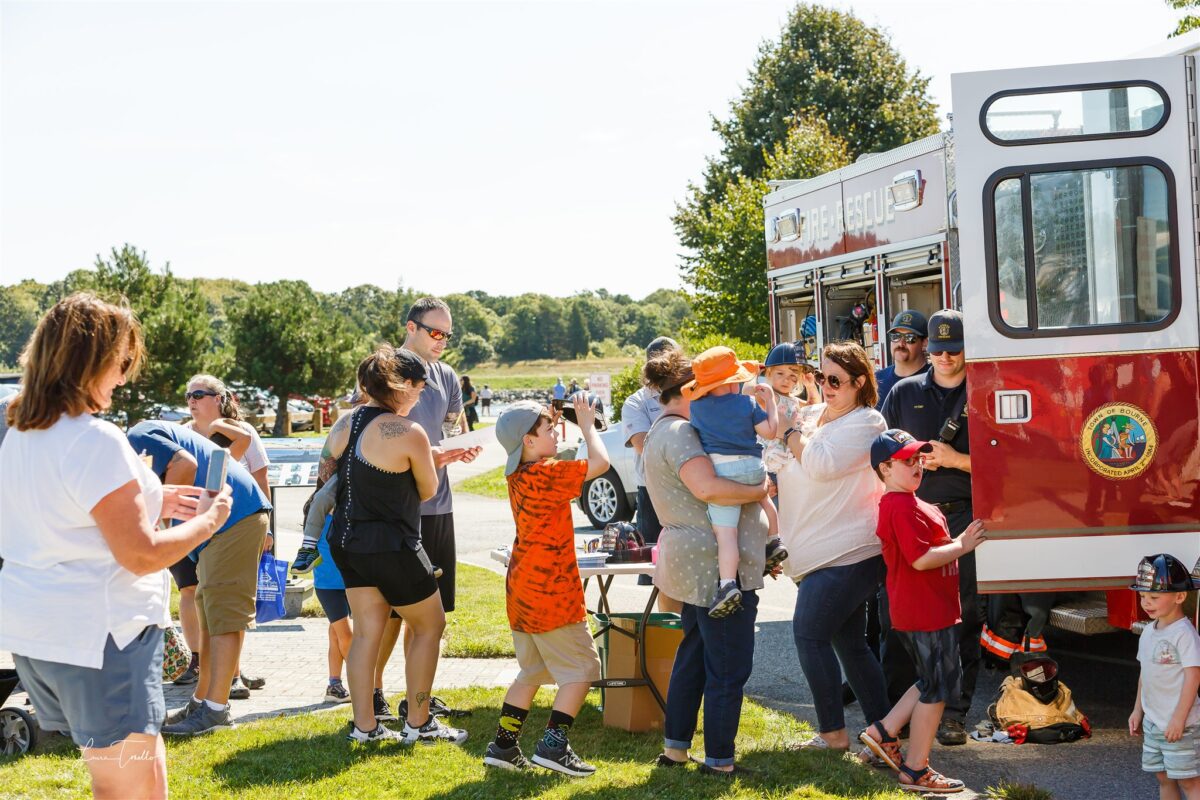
x: 1060, y: 215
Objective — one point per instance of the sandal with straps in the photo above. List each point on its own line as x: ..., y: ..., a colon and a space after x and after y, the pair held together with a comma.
x: 928, y: 780
x: 886, y: 747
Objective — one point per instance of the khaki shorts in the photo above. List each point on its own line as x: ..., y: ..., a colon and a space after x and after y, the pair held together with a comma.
x: 561, y: 656
x: 228, y: 575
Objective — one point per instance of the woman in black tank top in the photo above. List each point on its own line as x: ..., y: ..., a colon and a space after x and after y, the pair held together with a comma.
x: 385, y: 470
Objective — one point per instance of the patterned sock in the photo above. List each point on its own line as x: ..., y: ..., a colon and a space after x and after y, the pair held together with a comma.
x: 512, y: 719
x: 557, y: 728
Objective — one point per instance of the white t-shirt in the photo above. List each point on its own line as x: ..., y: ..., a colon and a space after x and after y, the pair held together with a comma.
x: 255, y: 457
x: 1163, y: 655
x: 485, y: 394
x: 829, y: 497
x: 61, y: 590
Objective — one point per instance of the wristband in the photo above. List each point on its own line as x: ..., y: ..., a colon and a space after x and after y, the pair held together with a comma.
x: 788, y: 433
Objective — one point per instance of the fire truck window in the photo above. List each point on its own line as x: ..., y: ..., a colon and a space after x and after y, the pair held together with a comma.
x: 1101, y: 247
x: 1010, y: 253
x: 1097, y: 112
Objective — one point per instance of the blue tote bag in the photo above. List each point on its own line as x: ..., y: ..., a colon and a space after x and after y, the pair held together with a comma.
x: 272, y: 583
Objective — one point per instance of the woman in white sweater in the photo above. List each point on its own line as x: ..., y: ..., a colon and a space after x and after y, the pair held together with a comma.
x: 828, y: 507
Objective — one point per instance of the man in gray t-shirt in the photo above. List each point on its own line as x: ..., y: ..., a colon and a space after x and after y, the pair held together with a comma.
x: 638, y: 414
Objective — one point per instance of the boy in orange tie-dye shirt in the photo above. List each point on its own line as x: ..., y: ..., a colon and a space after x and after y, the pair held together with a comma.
x: 545, y: 594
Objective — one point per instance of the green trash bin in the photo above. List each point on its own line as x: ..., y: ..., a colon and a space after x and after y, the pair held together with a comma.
x: 634, y: 708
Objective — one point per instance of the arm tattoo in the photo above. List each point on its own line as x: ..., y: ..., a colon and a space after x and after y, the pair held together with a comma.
x: 392, y: 428
x: 327, y: 465
x: 178, y: 455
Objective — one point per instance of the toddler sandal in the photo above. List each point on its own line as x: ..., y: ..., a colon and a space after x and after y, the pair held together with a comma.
x: 886, y: 748
x: 928, y: 780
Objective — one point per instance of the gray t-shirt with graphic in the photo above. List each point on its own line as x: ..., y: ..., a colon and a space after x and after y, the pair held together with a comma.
x: 1164, y: 654
x: 440, y: 399
x: 687, y: 547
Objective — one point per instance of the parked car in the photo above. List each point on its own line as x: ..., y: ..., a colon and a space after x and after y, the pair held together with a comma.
x: 170, y: 413
x: 613, y: 496
x: 293, y: 461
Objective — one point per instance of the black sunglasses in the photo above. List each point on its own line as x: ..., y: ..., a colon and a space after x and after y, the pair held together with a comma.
x: 199, y: 394
x: 437, y: 334
x: 833, y: 380
x: 909, y: 338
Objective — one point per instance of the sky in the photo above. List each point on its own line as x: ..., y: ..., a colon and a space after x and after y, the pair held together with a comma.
x: 449, y: 146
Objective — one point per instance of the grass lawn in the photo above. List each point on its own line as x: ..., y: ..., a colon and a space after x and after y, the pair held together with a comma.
x: 307, y: 756
x: 542, y: 374
x: 488, y: 484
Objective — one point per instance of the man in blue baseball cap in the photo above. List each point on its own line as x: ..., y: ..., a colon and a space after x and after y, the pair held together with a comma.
x: 906, y: 343
x: 932, y: 406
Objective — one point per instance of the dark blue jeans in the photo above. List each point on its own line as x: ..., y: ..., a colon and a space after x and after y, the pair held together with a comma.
x: 830, y: 625
x: 713, y: 664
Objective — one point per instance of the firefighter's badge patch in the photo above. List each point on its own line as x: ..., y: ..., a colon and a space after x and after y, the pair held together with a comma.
x: 1118, y: 441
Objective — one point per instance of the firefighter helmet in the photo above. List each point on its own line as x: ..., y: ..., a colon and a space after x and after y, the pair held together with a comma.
x: 1163, y: 573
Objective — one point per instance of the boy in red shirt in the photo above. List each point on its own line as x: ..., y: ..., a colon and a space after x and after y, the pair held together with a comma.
x: 545, y: 594
x: 922, y: 587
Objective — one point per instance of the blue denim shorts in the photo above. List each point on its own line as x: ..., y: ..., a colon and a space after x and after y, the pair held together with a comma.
x: 746, y: 469
x: 1180, y: 760
x: 100, y: 707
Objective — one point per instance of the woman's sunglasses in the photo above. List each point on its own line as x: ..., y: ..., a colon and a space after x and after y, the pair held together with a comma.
x: 437, y: 334
x: 199, y: 394
x: 909, y: 338
x: 833, y: 380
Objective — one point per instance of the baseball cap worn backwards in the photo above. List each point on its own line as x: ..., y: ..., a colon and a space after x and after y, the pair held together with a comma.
x: 514, y: 422
x: 715, y: 367
x: 896, y: 444
x: 945, y: 332
x: 912, y: 321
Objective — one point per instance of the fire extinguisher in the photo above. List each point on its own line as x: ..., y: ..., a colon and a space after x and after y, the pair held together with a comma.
x: 871, y: 341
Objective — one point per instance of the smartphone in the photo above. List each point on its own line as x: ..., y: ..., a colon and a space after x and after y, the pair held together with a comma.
x: 218, y: 463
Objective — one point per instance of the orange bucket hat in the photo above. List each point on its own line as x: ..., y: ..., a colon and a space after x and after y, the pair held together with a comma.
x: 715, y: 367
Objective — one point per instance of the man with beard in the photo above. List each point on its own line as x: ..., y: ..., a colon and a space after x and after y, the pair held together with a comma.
x: 906, y: 338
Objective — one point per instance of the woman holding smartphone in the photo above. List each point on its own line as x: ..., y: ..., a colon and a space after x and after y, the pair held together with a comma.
x: 83, y: 592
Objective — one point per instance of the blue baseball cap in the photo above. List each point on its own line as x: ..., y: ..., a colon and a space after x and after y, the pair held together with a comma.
x: 896, y: 444
x: 783, y: 354
x: 945, y: 332
x: 909, y: 320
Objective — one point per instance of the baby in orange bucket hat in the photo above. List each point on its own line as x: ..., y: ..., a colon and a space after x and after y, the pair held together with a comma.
x: 727, y: 422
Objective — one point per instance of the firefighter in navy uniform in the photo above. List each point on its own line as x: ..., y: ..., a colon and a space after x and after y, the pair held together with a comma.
x: 932, y: 406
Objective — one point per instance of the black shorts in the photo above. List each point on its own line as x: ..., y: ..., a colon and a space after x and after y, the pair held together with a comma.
x: 403, y: 577
x: 487, y: 402
x: 437, y: 537
x: 184, y: 573
x: 935, y: 655
x: 335, y: 604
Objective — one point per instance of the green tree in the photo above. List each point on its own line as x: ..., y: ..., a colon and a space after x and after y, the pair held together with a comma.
x: 19, y: 315
x: 727, y: 265
x: 472, y: 316
x: 175, y: 325
x: 283, y: 342
x: 1189, y: 22
x: 473, y: 350
x: 395, y: 316
x: 826, y: 64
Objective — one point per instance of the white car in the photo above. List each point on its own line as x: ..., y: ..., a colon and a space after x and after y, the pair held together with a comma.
x: 613, y: 496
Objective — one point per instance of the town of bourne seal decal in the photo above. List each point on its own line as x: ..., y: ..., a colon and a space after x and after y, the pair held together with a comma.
x: 1118, y: 441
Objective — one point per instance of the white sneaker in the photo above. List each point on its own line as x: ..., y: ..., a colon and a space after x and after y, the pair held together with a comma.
x: 380, y: 734
x: 432, y: 732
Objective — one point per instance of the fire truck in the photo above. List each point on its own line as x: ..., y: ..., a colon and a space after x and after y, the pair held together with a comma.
x: 1060, y: 215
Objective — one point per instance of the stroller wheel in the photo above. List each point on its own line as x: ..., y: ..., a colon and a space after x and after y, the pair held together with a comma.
x: 18, y: 732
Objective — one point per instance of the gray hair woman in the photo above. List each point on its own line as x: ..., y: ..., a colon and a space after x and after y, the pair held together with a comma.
x: 716, y: 655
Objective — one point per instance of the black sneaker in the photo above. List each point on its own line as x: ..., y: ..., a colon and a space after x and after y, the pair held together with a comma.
x: 238, y: 690
x: 432, y: 732
x: 951, y: 733
x: 506, y: 757
x: 188, y: 678
x: 561, y: 759
x: 180, y: 714
x: 306, y: 559
x: 728, y: 601
x: 383, y: 712
x: 776, y: 554
x: 336, y: 693
x: 437, y: 707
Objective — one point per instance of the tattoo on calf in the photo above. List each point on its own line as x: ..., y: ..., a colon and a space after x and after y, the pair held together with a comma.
x: 422, y: 699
